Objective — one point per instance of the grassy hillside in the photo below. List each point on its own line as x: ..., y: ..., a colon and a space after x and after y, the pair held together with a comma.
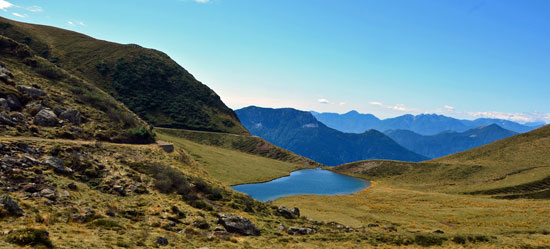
x: 96, y: 114
x: 147, y: 81
x: 496, y: 194
x: 235, y: 159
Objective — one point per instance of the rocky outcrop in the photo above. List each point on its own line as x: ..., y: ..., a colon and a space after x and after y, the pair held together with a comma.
x: 238, y: 224
x: 72, y: 116
x: 289, y: 213
x: 33, y: 92
x: 9, y: 207
x: 5, y: 74
x: 57, y: 165
x: 45, y: 117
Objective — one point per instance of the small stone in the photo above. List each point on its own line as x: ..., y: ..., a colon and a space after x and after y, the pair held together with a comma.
x: 162, y: 241
x: 57, y: 165
x: 300, y: 231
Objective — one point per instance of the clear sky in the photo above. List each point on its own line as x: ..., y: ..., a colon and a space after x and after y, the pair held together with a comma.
x: 461, y: 58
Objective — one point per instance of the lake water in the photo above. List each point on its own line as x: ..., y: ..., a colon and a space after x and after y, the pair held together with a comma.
x: 307, y: 181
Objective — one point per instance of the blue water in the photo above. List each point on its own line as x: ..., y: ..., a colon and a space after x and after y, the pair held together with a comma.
x: 307, y: 181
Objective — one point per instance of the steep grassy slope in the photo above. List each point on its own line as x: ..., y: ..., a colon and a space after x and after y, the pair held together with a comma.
x: 147, y: 81
x: 301, y: 133
x: 36, y: 84
x: 447, y: 143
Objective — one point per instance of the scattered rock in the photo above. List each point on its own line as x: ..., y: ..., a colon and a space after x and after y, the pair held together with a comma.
x: 438, y: 232
x: 201, y: 224
x: 13, y: 102
x: 57, y: 165
x: 65, y: 194
x: 162, y: 241
x: 48, y: 194
x: 281, y: 227
x: 45, y: 117
x: 9, y: 207
x: 289, y: 213
x: 33, y: 92
x: 237, y: 224
x: 4, y: 104
x: 300, y: 231
x: 30, y: 188
x: 373, y: 225
x: 167, y: 147
x: 72, y: 116
x: 5, y: 74
x: 119, y: 189
x: 72, y: 186
x: 5, y: 119
x: 18, y: 118
x: 58, y: 110
x: 178, y: 212
x: 34, y: 108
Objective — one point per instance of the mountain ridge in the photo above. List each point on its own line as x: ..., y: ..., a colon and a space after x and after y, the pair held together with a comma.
x: 423, y: 124
x: 302, y: 133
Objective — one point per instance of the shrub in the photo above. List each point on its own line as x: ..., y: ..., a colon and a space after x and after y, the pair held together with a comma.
x: 30, y: 237
x: 169, y: 180
x: 140, y: 135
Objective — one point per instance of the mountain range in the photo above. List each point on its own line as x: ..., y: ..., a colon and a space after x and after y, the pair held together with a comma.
x: 449, y: 142
x: 423, y: 124
x: 299, y: 132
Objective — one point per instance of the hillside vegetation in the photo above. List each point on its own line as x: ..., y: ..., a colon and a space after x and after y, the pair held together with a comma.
x: 147, y: 81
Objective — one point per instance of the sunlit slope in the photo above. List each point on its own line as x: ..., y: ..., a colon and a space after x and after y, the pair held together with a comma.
x: 236, y: 159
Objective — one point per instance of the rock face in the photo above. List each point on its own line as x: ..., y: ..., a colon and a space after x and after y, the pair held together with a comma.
x: 45, y: 117
x: 57, y: 165
x: 33, y: 92
x: 289, y: 213
x: 300, y: 231
x: 72, y: 116
x: 9, y: 207
x: 237, y: 224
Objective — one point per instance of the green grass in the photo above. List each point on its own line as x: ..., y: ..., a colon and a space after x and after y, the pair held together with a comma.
x: 233, y: 167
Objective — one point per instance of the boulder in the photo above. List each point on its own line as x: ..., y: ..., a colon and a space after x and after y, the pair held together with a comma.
x: 72, y: 116
x: 57, y: 165
x: 289, y: 213
x: 4, y: 104
x: 58, y: 110
x: 45, y: 117
x: 13, y: 102
x: 9, y: 207
x: 237, y: 224
x: 18, y: 118
x: 34, y: 107
x: 5, y: 119
x: 161, y: 241
x: 33, y: 92
x: 300, y: 231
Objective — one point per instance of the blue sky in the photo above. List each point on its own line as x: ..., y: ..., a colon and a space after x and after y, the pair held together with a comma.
x: 461, y: 58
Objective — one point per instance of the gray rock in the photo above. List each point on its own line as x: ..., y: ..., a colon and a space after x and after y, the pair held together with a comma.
x: 289, y: 213
x: 162, y: 241
x: 4, y: 104
x: 5, y: 74
x: 300, y: 231
x: 57, y: 165
x: 72, y: 186
x: 65, y: 194
x: 13, y: 102
x: 10, y: 207
x: 72, y: 116
x: 5, y: 119
x: 237, y: 224
x: 34, y: 106
x: 58, y: 110
x: 18, y: 118
x: 33, y: 92
x: 48, y: 194
x: 45, y: 117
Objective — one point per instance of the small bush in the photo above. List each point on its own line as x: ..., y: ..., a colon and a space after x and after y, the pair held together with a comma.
x: 30, y: 237
x: 140, y: 135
